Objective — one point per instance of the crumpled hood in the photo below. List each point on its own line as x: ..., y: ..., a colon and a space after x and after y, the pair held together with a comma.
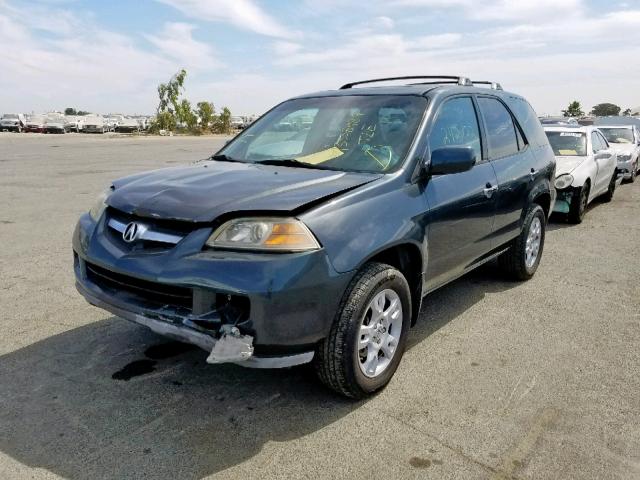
x: 567, y: 164
x: 201, y: 193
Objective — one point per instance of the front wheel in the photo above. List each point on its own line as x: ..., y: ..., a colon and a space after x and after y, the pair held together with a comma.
x: 634, y: 173
x: 521, y: 261
x: 608, y: 196
x: 579, y: 205
x: 369, y: 333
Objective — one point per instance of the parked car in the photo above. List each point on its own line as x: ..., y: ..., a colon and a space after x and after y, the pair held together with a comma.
x: 318, y: 245
x: 128, y: 125
x: 625, y: 140
x: 73, y: 123
x: 586, y: 168
x: 12, y: 122
x: 35, y: 124
x: 237, y: 122
x: 94, y: 124
x: 54, y: 123
x: 563, y: 121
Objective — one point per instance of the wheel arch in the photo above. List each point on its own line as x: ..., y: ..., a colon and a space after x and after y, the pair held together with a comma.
x: 407, y: 258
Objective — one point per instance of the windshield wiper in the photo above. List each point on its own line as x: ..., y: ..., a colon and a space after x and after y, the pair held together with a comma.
x: 291, y: 162
x: 225, y: 158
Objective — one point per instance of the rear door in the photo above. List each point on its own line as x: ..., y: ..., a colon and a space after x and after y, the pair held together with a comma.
x: 461, y: 205
x: 514, y: 163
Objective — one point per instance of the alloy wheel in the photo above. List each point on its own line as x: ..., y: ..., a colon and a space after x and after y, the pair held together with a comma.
x: 379, y: 333
x: 532, y: 246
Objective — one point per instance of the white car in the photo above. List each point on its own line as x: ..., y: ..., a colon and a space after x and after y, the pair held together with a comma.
x: 586, y: 168
x: 625, y: 140
x: 94, y: 124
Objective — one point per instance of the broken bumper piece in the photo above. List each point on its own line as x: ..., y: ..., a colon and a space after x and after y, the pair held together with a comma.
x: 231, y: 347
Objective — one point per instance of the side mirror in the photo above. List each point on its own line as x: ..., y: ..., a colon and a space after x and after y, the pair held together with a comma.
x: 448, y: 160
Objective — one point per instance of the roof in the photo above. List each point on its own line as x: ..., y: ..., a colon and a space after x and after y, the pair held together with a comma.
x: 563, y: 128
x: 414, y: 89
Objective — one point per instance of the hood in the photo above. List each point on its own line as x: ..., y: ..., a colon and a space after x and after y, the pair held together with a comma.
x: 201, y: 193
x: 567, y: 164
x: 624, y: 148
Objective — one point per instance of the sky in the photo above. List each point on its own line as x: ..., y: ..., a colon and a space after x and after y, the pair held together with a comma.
x: 109, y: 56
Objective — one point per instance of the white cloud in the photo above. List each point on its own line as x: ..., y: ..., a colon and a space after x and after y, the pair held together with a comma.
x: 519, y: 10
x: 176, y: 41
x: 244, y: 14
x: 89, y: 67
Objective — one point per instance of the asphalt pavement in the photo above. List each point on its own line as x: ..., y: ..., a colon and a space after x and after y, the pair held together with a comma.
x: 535, y: 380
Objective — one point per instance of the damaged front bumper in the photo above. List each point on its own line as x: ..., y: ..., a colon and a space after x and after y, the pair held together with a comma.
x: 563, y: 200
x: 262, y: 311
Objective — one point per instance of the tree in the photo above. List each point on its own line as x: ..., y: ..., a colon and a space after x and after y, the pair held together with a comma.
x: 82, y: 113
x: 169, y: 105
x: 70, y: 111
x: 206, y: 111
x: 605, y: 109
x: 222, y: 123
x: 627, y: 112
x: 573, y: 110
x: 186, y: 115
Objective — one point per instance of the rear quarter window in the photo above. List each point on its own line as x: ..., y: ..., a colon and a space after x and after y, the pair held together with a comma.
x: 528, y: 120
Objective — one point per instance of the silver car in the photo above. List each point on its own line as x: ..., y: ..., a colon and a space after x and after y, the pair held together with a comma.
x: 625, y: 140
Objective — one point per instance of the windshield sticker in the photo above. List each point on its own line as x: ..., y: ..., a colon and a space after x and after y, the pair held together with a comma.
x: 321, y: 156
x: 345, y: 136
x: 571, y: 134
x: 568, y: 152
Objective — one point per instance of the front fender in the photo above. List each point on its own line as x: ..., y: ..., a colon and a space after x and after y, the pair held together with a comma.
x: 355, y: 227
x: 583, y: 172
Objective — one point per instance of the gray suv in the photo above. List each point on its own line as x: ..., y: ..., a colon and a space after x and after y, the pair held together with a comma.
x: 314, y: 235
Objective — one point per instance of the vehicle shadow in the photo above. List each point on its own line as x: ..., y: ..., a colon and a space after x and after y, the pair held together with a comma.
x: 113, y: 400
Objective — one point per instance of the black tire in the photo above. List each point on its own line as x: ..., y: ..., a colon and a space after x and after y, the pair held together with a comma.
x: 513, y: 261
x: 608, y: 195
x: 578, y: 205
x: 634, y: 173
x: 337, y: 362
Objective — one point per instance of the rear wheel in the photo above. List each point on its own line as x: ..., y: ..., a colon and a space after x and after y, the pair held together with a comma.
x: 368, y: 335
x: 521, y: 261
x: 579, y: 204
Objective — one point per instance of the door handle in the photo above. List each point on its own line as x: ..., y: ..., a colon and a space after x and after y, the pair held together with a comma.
x: 489, y: 190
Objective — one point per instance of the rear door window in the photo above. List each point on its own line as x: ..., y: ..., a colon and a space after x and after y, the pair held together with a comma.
x: 501, y: 132
x: 457, y: 126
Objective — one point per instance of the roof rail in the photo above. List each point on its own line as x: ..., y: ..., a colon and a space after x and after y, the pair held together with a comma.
x: 493, y: 85
x: 449, y: 79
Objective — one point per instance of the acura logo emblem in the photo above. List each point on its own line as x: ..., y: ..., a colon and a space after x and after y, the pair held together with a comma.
x: 131, y: 232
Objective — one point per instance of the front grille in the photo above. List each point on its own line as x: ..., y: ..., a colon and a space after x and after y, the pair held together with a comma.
x: 170, y: 228
x: 159, y: 294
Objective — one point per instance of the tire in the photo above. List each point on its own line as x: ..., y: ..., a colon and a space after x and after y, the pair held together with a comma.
x: 634, y: 173
x: 579, y: 205
x: 521, y: 261
x: 608, y: 195
x: 338, y: 362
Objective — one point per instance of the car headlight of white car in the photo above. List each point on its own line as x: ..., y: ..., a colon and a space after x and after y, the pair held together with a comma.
x: 624, y: 157
x: 563, y: 181
x: 99, y: 205
x: 264, y: 234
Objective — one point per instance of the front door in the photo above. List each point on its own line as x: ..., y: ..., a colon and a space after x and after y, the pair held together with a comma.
x: 461, y: 205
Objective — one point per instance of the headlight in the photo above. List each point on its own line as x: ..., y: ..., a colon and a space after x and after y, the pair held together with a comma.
x: 624, y: 157
x: 563, y: 181
x: 99, y: 205
x: 266, y: 234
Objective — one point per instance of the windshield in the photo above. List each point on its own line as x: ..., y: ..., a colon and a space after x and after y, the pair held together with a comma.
x: 10, y: 115
x: 349, y: 133
x: 617, y: 135
x: 573, y: 144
